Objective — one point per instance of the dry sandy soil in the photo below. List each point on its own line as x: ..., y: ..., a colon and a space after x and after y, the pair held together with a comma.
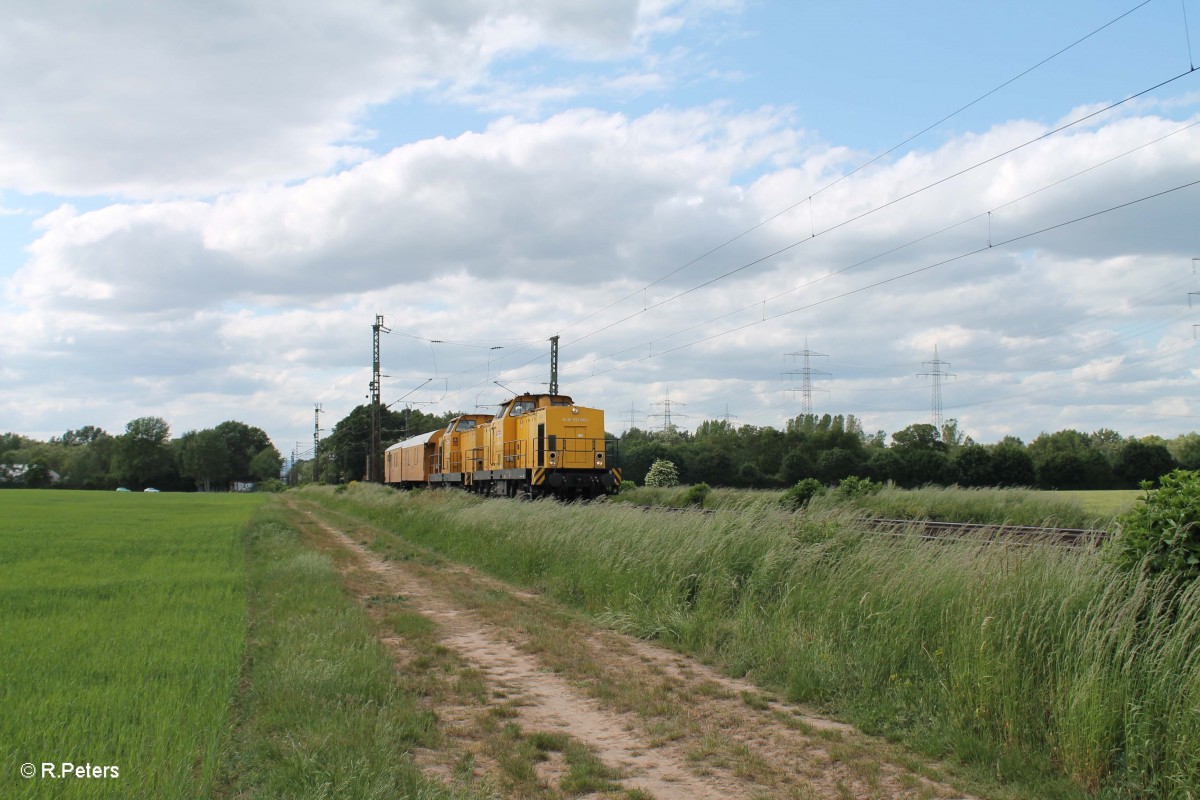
x: 666, y: 726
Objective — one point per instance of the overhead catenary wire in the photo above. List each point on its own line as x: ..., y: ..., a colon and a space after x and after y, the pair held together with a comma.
x: 893, y: 250
x: 664, y: 352
x: 901, y: 276
x: 858, y: 168
x: 876, y: 209
x: 879, y: 208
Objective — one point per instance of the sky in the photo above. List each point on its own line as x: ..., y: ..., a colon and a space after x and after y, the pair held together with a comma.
x: 204, y: 207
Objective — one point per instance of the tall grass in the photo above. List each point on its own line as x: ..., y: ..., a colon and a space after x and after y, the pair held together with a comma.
x: 676, y: 496
x: 1044, y: 667
x: 122, y: 631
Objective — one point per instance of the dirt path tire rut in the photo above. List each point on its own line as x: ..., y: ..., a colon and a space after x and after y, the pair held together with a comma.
x: 667, y: 726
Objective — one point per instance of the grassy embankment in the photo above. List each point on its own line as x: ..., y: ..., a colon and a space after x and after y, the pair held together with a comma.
x: 1044, y: 667
x: 126, y: 620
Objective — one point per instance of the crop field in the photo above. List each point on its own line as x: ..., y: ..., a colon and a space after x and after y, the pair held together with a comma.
x: 124, y: 620
x: 188, y: 646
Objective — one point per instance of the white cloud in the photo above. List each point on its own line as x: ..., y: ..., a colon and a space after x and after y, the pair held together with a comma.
x: 595, y: 192
x: 183, y: 98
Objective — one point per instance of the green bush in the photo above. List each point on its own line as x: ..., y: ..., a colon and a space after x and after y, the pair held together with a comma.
x: 804, y: 490
x: 1162, y: 532
x: 696, y: 493
x: 853, y: 488
x: 662, y: 473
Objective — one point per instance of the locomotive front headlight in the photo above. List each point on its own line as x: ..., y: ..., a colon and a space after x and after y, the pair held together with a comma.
x: 553, y: 457
x: 599, y: 459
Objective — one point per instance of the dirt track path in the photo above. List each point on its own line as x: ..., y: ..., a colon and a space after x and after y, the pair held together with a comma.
x: 672, y: 728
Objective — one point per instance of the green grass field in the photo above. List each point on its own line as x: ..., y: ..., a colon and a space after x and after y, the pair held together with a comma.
x: 124, y: 619
x: 198, y: 647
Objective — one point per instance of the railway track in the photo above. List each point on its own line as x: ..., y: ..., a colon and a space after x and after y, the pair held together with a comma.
x: 1021, y: 534
x: 936, y: 529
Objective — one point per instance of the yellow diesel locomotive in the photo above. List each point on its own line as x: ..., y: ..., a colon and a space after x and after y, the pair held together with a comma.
x: 537, y: 445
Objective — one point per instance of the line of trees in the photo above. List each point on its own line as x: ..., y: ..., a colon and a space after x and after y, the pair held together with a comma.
x: 143, y: 456
x: 830, y: 448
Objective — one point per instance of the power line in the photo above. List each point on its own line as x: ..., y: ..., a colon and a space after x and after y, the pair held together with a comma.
x: 888, y: 252
x: 1130, y: 365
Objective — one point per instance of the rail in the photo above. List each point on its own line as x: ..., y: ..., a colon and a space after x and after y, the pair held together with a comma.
x: 937, y: 530
x: 1028, y: 534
